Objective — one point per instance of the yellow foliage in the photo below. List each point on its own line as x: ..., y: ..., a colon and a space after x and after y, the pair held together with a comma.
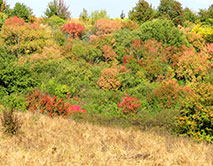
x: 205, y: 31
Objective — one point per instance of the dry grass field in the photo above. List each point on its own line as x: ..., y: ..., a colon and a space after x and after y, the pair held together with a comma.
x: 43, y: 141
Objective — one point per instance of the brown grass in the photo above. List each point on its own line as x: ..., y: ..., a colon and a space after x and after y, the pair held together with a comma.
x: 64, y: 142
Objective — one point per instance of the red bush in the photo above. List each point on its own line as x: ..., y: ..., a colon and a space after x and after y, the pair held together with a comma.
x: 73, y: 30
x: 15, y: 21
x: 50, y: 105
x: 129, y: 104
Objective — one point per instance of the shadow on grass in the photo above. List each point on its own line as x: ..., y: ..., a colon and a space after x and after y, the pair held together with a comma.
x: 162, y: 122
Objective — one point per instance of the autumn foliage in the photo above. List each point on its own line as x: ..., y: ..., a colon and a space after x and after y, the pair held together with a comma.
x: 109, y: 54
x: 129, y: 104
x: 108, y: 79
x: 51, y: 105
x: 105, y: 26
x: 73, y: 30
x: 15, y: 21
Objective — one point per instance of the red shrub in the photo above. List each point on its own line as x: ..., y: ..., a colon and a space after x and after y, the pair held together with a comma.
x: 73, y: 30
x: 50, y: 105
x: 15, y: 21
x: 129, y: 104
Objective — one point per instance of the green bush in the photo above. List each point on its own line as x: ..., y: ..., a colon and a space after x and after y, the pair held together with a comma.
x: 87, y: 52
x: 55, y: 21
x: 17, y: 78
x: 161, y: 30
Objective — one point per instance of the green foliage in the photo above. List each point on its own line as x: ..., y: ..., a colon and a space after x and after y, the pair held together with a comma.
x: 172, y: 10
x: 3, y: 18
x: 206, y: 15
x: 123, y: 39
x: 59, y: 37
x: 4, y: 7
x: 22, y: 11
x: 58, y: 8
x: 11, y: 123
x: 55, y: 21
x: 13, y: 77
x: 57, y: 89
x: 189, y: 15
x: 14, y: 100
x: 196, y: 114
x: 161, y: 30
x: 97, y: 14
x: 142, y: 12
x: 87, y: 52
x: 17, y: 78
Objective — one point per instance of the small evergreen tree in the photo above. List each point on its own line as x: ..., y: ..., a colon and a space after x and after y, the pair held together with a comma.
x: 142, y: 12
x: 58, y: 8
x: 172, y: 10
x: 122, y: 16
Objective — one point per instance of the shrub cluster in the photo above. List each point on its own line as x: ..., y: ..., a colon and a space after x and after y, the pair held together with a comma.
x: 51, y: 105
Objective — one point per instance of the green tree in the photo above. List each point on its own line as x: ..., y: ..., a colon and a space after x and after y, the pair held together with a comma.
x: 95, y: 15
x: 84, y: 15
x: 22, y: 11
x: 58, y: 8
x: 122, y: 16
x: 142, y: 12
x: 189, y: 15
x: 206, y: 16
x: 172, y: 10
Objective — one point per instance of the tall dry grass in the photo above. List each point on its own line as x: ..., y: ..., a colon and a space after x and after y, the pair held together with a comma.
x: 64, y: 142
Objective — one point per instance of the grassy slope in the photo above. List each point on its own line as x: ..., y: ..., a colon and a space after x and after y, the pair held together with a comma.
x: 64, y: 142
